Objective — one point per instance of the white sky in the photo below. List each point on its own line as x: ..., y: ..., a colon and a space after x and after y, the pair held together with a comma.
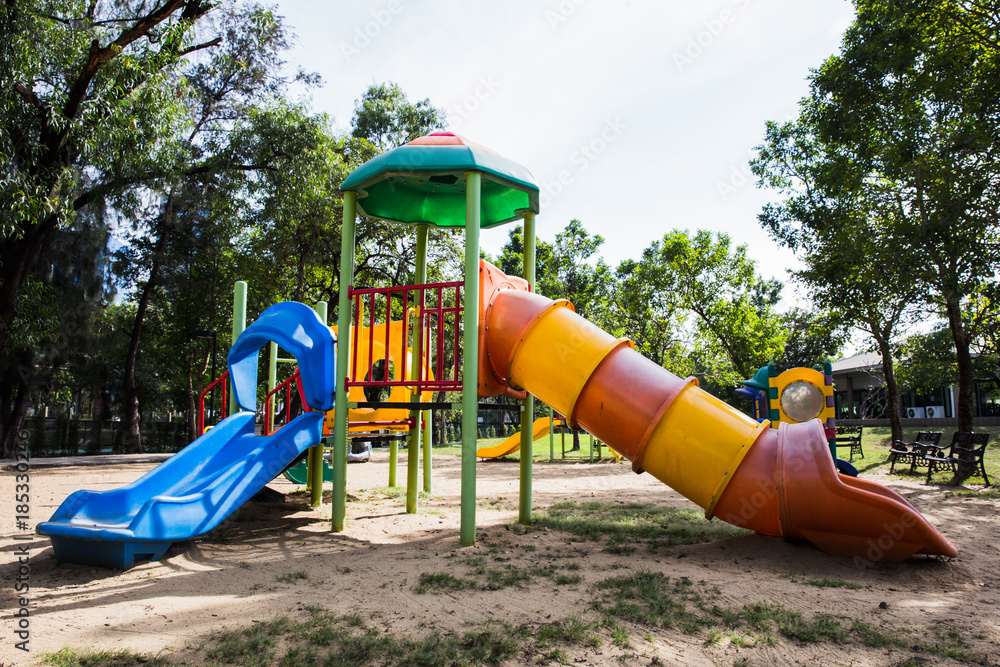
x: 670, y: 96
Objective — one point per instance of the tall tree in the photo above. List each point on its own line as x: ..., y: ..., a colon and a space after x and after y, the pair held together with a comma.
x: 82, y: 85
x: 732, y: 306
x: 904, y: 120
x: 385, y: 116
x: 226, y: 132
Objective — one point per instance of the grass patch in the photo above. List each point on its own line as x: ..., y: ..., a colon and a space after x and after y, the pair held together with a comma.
x: 874, y: 637
x: 832, y: 583
x: 973, y: 493
x: 291, y: 577
x: 950, y: 643
x: 876, y: 441
x: 651, y: 598
x: 69, y: 657
x: 250, y: 647
x: 442, y: 582
x: 625, y: 524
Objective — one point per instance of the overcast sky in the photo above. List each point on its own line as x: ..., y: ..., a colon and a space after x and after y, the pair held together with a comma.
x: 635, y: 116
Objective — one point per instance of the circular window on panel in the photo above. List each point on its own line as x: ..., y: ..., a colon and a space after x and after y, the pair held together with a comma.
x: 802, y: 401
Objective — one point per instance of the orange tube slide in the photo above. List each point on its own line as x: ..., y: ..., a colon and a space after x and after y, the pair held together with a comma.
x: 776, y: 482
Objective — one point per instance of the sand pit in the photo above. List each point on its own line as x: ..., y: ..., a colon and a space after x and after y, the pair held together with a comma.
x: 275, y: 559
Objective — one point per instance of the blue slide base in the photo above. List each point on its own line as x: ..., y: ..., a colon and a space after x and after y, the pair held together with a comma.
x: 118, y: 555
x: 186, y: 496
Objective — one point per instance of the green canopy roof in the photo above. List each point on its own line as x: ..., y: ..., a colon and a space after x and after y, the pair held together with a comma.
x: 423, y: 182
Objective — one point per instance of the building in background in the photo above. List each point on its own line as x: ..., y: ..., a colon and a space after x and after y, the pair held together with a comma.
x: 859, y: 393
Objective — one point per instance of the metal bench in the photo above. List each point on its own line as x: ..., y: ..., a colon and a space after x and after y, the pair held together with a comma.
x: 910, y: 452
x: 849, y: 436
x: 964, y: 458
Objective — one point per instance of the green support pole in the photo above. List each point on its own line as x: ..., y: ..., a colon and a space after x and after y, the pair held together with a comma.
x: 470, y: 348
x: 528, y: 407
x: 239, y: 324
x: 413, y: 451
x: 428, y: 442
x: 314, y: 463
x: 343, y: 357
x: 272, y: 382
x: 552, y: 437
x: 393, y: 458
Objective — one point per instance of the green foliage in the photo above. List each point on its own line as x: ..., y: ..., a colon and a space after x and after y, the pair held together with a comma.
x: 735, y: 329
x: 888, y: 173
x: 385, y: 117
x: 813, y: 338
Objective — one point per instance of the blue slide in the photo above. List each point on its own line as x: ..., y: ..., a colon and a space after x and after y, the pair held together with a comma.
x: 194, y: 490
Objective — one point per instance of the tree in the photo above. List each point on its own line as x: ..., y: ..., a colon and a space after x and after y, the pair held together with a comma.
x: 813, y: 337
x: 856, y: 263
x: 902, y: 126
x: 386, y: 117
x: 735, y: 327
x: 227, y: 132
x: 81, y: 87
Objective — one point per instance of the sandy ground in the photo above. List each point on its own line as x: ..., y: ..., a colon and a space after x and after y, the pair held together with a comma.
x: 230, y: 578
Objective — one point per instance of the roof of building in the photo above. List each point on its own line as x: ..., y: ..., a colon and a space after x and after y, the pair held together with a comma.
x: 859, y: 362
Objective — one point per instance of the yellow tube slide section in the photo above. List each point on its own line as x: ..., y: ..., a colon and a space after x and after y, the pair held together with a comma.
x: 781, y: 483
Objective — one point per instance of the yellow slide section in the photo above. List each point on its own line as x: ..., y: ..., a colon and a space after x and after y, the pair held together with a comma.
x: 775, y: 482
x: 539, y: 429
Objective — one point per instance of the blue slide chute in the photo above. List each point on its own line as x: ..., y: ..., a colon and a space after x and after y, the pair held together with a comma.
x: 197, y: 488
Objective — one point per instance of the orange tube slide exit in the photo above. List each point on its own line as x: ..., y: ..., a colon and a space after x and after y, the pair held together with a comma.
x: 775, y: 482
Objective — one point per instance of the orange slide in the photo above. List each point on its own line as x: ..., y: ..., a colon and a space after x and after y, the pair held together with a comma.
x: 776, y: 482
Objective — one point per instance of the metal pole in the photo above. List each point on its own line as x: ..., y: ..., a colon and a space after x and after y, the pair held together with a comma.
x: 314, y: 461
x: 239, y: 324
x: 211, y: 400
x: 470, y: 347
x: 528, y: 407
x: 416, y: 358
x: 343, y: 359
x: 272, y: 382
x: 428, y: 442
x: 552, y: 425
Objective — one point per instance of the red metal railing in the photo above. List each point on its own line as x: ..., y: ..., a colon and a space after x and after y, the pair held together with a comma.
x: 201, y: 399
x: 285, y: 386
x: 438, y: 321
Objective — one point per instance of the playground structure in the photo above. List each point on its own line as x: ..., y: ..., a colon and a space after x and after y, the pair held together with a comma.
x: 776, y: 482
x: 543, y: 426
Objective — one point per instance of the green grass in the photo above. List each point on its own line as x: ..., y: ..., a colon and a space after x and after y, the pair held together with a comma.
x: 628, y: 524
x: 291, y: 577
x: 68, y: 657
x: 325, y: 638
x: 876, y: 441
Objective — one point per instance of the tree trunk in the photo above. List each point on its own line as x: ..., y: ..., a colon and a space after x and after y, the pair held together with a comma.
x: 16, y: 397
x: 892, y: 393
x: 130, y: 403
x: 963, y: 357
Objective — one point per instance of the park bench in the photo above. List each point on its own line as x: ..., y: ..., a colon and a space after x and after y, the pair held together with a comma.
x: 911, y: 452
x: 964, y: 458
x: 849, y: 436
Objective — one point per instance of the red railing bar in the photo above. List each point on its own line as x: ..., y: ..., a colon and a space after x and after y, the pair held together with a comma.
x: 371, y: 336
x: 396, y: 288
x: 458, y: 292
x: 201, y: 399
x: 403, y: 337
x: 388, y: 319
x: 354, y: 348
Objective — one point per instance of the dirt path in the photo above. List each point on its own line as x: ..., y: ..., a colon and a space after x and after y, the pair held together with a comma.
x: 278, y: 559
